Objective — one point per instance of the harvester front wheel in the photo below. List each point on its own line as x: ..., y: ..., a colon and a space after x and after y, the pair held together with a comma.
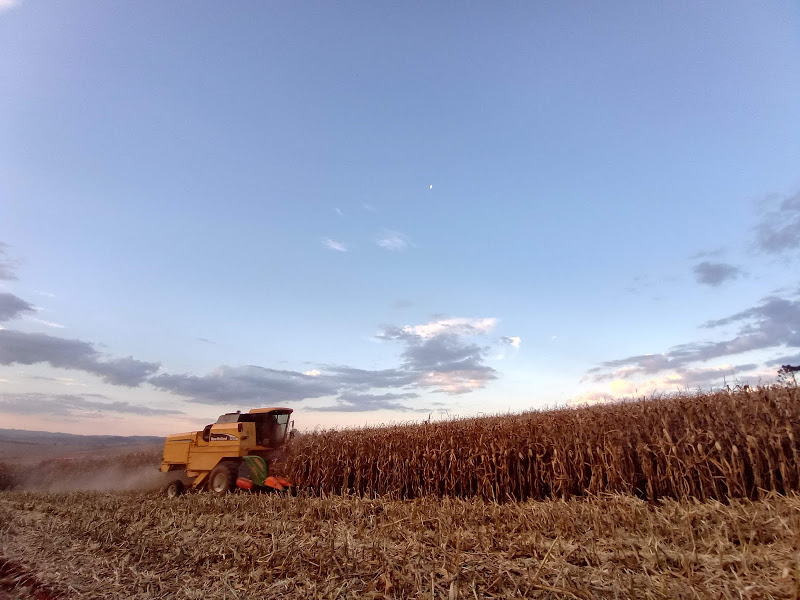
x: 223, y: 478
x: 174, y: 488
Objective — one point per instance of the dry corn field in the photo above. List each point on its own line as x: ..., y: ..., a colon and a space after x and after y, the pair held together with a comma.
x: 124, y: 545
x: 688, y: 497
x: 715, y: 446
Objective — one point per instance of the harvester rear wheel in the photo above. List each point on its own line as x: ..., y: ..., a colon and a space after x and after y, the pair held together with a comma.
x: 223, y: 478
x: 174, y: 488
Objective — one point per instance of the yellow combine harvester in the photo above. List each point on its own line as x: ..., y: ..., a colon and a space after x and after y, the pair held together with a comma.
x: 236, y: 451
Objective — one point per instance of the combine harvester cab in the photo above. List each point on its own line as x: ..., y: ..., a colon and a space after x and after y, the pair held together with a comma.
x: 236, y: 451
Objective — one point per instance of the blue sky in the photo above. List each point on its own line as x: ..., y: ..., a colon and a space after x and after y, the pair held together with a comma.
x: 371, y: 213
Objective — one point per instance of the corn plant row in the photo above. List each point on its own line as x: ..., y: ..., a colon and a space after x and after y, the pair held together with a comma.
x: 713, y: 446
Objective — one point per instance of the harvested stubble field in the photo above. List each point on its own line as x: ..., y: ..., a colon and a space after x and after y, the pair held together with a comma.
x: 94, y: 545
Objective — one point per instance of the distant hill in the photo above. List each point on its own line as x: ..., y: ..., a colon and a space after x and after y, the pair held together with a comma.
x: 21, y: 446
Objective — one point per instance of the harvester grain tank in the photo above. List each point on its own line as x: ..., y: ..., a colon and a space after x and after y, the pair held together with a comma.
x: 236, y: 451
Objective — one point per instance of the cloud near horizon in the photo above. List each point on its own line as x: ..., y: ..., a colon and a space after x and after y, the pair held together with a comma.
x: 17, y: 347
x: 679, y: 381
x: 773, y: 324
x: 436, y: 356
x: 73, y: 405
x: 250, y: 383
x: 351, y: 402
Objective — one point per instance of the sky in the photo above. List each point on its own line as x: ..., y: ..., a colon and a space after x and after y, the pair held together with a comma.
x: 383, y: 213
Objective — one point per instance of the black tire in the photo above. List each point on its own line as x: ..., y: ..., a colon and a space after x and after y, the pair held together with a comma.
x: 223, y: 478
x: 174, y: 488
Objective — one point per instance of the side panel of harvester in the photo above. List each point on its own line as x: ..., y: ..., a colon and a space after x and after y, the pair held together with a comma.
x: 176, y: 450
x: 222, y: 442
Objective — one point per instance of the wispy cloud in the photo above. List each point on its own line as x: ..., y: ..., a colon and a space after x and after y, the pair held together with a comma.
x: 773, y: 324
x: 778, y: 230
x: 680, y: 380
x: 640, y: 283
x: 334, y: 245
x: 350, y: 402
x: 12, y: 306
x: 436, y: 357
x: 393, y: 240
x: 512, y: 340
x: 715, y: 273
x: 73, y: 405
x: 17, y: 347
x: 8, y: 5
x: 792, y: 359
x: 716, y: 253
x: 456, y: 326
x: 246, y: 384
x: 8, y: 267
x: 402, y: 304
x: 369, y: 208
x: 68, y: 381
x: 46, y: 323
